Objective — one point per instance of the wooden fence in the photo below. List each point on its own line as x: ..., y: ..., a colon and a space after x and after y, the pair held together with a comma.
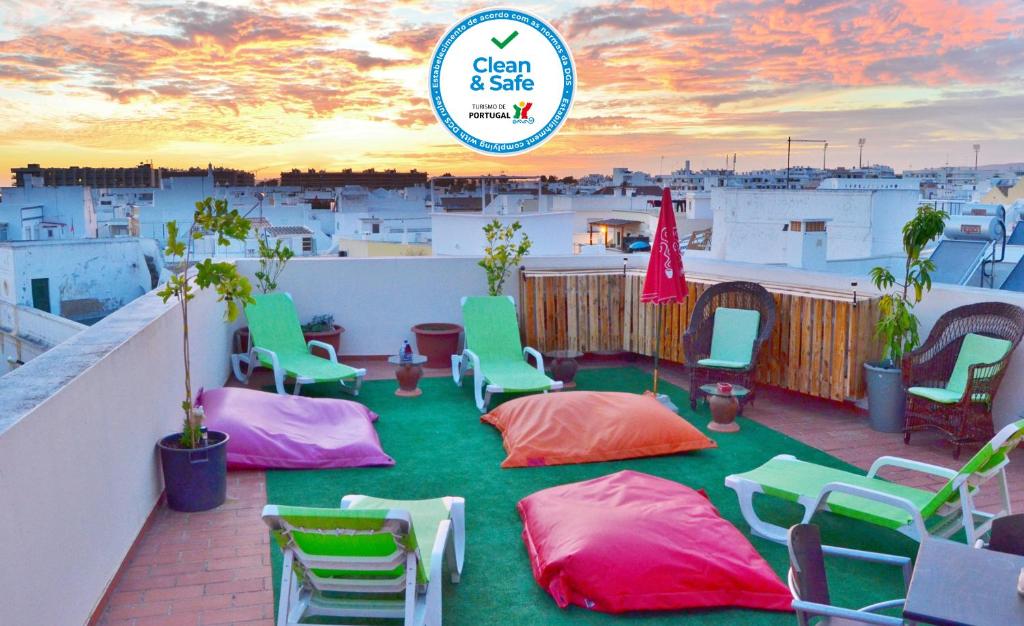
x: 821, y: 338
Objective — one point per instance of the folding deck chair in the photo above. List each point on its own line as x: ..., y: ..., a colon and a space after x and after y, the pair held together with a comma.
x: 495, y: 353
x: 277, y: 343
x: 364, y: 560
x: 914, y: 512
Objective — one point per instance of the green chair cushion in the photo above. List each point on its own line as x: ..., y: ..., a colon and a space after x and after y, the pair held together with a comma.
x: 274, y: 324
x: 426, y: 516
x: 974, y: 350
x: 732, y: 365
x: 792, y: 479
x: 492, y: 330
x: 735, y: 332
x: 944, y: 396
x: 308, y: 365
x: 516, y: 377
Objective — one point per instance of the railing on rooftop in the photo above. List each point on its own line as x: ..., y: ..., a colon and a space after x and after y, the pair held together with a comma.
x: 821, y: 337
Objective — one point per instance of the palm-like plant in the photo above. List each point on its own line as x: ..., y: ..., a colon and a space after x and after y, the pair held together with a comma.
x: 897, y: 326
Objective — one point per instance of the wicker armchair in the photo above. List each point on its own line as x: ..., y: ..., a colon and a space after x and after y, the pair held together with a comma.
x: 969, y: 419
x: 697, y: 339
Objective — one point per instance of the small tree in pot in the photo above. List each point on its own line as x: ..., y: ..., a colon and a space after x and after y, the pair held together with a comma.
x: 897, y: 326
x: 194, y: 462
x: 272, y: 262
x: 502, y: 253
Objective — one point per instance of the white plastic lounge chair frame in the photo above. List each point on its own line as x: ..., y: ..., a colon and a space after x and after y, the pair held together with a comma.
x: 251, y: 361
x: 949, y: 518
x: 482, y: 391
x: 421, y: 604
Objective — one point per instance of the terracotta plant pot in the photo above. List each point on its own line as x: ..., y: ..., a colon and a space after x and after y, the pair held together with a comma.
x: 332, y: 337
x: 437, y: 341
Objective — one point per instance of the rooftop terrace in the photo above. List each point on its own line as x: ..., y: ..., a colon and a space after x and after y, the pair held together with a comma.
x: 80, y: 421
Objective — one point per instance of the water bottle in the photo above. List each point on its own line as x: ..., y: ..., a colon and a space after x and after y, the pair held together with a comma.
x: 406, y: 353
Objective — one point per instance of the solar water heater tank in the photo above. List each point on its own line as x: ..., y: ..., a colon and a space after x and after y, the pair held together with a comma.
x: 974, y: 228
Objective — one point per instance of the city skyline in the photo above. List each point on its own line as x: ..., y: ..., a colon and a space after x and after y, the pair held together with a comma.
x: 268, y: 87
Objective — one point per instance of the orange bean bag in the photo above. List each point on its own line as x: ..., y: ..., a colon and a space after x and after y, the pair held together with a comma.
x: 590, y: 426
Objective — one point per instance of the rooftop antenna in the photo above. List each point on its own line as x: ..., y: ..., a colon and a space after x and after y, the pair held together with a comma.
x: 734, y: 162
x: 977, y: 149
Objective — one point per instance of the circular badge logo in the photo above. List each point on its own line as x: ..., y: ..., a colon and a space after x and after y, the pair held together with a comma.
x: 502, y: 81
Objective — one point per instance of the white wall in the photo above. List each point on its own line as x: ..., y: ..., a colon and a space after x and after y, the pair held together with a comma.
x: 79, y: 472
x: 461, y: 234
x: 748, y: 223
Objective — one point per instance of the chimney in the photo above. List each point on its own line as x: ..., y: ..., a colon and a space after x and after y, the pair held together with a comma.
x: 807, y: 244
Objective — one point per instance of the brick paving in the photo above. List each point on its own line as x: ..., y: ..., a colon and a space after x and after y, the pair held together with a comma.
x: 198, y: 569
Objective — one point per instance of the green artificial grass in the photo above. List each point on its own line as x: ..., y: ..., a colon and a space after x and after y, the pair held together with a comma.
x: 441, y: 448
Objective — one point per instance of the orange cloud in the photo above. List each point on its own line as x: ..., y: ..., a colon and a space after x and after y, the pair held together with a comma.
x: 312, y: 83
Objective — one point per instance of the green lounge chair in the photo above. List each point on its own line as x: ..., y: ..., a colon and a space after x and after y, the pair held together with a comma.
x: 495, y: 353
x: 367, y: 559
x: 278, y: 344
x: 914, y: 512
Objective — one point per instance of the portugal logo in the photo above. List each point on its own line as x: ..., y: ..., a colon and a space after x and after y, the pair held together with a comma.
x: 502, y: 81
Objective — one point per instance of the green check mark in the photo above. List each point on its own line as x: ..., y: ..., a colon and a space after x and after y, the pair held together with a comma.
x: 501, y: 44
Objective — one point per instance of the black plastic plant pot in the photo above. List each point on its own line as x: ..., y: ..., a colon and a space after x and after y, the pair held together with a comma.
x: 195, y: 479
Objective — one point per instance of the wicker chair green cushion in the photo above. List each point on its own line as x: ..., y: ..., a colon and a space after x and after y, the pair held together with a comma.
x: 975, y: 350
x: 732, y: 342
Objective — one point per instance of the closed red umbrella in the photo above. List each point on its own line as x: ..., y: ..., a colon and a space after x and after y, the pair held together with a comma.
x: 665, y: 281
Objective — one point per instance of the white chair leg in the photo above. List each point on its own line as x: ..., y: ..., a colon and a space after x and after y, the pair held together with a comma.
x: 287, y: 594
x: 458, y: 544
x: 745, y: 491
x: 295, y: 390
x: 457, y: 369
x: 410, y: 589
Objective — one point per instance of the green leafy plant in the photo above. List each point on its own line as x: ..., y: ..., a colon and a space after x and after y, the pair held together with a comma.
x: 504, y: 251
x: 319, y: 324
x: 897, y: 326
x: 210, y: 217
x: 272, y: 262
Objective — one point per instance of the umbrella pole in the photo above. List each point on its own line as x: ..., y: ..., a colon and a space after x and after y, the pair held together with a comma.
x: 657, y: 345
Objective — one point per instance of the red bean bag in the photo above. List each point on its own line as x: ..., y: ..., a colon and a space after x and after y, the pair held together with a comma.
x: 634, y: 542
x: 590, y: 426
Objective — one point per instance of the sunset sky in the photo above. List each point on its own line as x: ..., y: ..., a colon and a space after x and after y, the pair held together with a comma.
x: 268, y: 85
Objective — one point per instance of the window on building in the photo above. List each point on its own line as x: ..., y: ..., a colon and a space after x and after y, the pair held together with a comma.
x: 41, y: 294
x: 375, y: 229
x: 307, y: 244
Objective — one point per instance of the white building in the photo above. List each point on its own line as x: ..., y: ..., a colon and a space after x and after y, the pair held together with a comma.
x: 751, y: 225
x: 82, y: 280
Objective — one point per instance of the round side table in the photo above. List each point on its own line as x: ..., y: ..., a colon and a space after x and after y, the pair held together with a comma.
x: 408, y: 374
x: 725, y: 405
x: 564, y: 366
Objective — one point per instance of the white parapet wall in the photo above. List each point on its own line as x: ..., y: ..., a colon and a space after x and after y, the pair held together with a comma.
x: 79, y: 472
x: 25, y: 333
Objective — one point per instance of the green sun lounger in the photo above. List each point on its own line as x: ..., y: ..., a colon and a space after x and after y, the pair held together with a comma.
x: 369, y: 559
x: 914, y: 512
x: 278, y: 344
x: 495, y: 353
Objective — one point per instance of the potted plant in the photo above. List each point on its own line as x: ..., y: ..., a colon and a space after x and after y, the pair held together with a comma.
x: 502, y: 253
x: 272, y: 260
x: 322, y: 328
x: 897, y: 326
x: 437, y: 341
x: 194, y: 461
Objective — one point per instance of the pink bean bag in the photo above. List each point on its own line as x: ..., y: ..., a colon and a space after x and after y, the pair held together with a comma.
x: 273, y: 431
x: 635, y: 542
